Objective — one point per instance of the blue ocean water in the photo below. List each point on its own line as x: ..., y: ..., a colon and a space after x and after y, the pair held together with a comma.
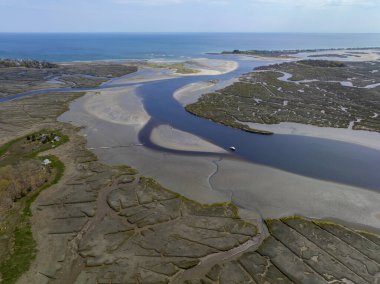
x: 100, y: 46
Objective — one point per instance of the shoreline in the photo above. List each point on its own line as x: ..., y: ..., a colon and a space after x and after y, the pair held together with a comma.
x: 174, y: 139
x: 276, y: 193
x: 359, y: 137
x: 338, y: 54
x: 209, y: 67
x: 200, y: 66
x: 192, y: 92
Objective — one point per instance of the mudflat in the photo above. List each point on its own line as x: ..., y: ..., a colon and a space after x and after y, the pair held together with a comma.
x: 103, y: 221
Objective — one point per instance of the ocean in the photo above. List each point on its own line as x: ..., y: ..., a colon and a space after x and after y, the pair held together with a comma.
x: 172, y: 46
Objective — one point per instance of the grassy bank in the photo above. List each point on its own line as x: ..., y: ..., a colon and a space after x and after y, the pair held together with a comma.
x: 224, y: 119
x: 17, y: 226
x: 179, y: 68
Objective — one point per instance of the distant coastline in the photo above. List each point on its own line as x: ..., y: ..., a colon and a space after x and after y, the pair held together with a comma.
x: 286, y: 53
x: 69, y: 47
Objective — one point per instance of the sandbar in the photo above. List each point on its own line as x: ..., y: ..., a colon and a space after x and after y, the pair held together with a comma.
x: 119, y: 106
x: 191, y: 93
x: 169, y: 137
x: 206, y: 66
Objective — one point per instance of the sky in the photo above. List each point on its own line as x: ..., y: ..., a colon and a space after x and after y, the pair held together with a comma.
x: 362, y: 16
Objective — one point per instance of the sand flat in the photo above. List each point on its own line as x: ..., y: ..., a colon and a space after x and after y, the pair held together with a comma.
x: 207, y: 179
x: 202, y: 66
x: 206, y: 66
x: 169, y: 137
x: 191, y: 93
x: 120, y: 106
x: 276, y: 193
x: 359, y: 137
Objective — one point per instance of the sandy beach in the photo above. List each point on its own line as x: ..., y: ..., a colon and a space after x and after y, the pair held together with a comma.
x: 143, y: 75
x: 206, y: 66
x: 201, y: 66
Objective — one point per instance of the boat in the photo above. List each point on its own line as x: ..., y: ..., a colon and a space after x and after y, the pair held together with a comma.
x: 233, y: 148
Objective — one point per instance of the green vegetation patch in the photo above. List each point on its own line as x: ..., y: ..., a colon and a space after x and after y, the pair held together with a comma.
x: 7, y: 63
x: 21, y: 76
x: 286, y: 53
x: 16, y: 230
x: 224, y: 209
x: 322, y: 63
x: 127, y: 170
x: 318, y: 92
x: 178, y: 67
x: 31, y: 145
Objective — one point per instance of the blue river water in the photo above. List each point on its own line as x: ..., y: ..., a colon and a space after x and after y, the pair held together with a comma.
x: 318, y: 158
x: 99, y: 46
x: 312, y: 157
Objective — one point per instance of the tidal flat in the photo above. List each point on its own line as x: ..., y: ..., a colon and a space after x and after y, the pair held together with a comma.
x: 208, y: 177
x: 119, y: 225
x: 104, y: 213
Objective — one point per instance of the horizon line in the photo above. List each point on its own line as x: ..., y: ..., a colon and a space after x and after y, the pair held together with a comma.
x: 176, y: 32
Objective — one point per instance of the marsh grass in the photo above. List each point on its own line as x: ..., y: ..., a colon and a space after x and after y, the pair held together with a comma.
x: 19, y: 227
